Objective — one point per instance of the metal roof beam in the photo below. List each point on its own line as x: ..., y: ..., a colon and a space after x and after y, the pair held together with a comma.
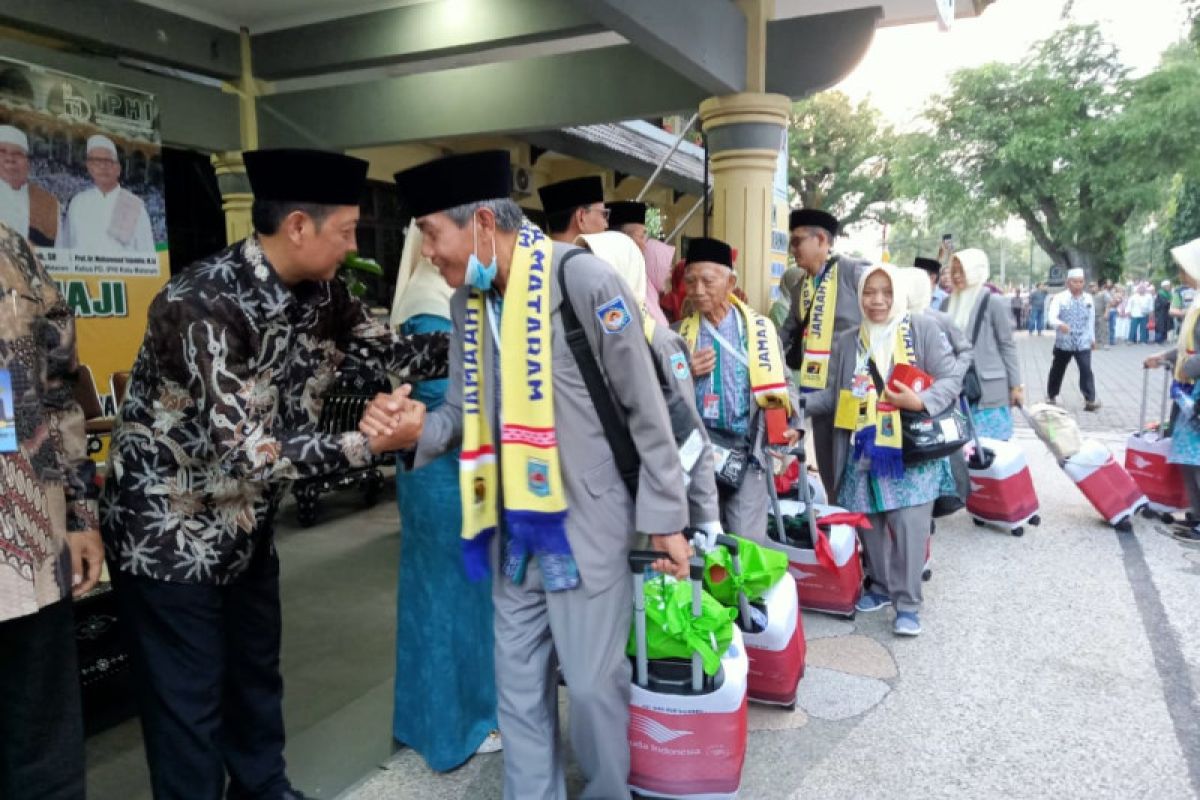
x: 119, y: 27
x: 703, y: 40
x: 518, y: 96
x: 414, y: 33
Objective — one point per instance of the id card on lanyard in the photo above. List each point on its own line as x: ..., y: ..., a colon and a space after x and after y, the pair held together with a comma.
x: 712, y: 402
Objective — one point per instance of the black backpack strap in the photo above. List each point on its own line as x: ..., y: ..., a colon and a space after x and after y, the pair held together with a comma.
x: 625, y: 454
x: 979, y: 320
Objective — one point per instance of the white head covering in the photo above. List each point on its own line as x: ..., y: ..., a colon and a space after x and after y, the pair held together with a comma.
x: 420, y: 288
x: 14, y: 136
x: 1074, y: 272
x: 1187, y: 256
x: 623, y: 254
x: 917, y: 289
x: 882, y: 335
x: 100, y: 142
x: 976, y: 270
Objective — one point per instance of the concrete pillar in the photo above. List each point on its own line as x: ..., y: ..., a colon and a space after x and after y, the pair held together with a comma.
x: 745, y: 132
x: 236, y: 196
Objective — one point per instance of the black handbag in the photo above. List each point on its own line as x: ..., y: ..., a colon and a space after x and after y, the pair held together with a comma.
x: 972, y: 387
x: 927, y: 436
x: 731, y: 455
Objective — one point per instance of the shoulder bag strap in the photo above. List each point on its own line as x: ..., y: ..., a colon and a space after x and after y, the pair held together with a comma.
x: 625, y: 454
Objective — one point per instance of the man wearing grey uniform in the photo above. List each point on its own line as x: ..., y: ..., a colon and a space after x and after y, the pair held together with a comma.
x: 813, y: 232
x: 577, y: 613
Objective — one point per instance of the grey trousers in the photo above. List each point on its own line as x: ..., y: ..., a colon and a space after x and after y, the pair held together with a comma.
x: 745, y: 511
x: 1191, y: 481
x: 589, y: 635
x: 822, y: 433
x: 895, y: 548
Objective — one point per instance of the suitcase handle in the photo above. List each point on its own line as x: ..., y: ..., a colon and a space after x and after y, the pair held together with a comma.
x: 639, y: 562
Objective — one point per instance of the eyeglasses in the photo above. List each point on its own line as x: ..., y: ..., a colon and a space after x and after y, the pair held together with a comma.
x: 602, y: 211
x: 102, y: 162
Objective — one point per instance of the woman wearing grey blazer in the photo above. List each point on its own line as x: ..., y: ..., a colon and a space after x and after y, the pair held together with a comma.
x: 995, y: 351
x: 872, y: 477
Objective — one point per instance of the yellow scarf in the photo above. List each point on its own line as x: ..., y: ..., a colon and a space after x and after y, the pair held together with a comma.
x: 819, y: 302
x: 1187, y: 342
x: 877, y: 431
x: 535, y: 505
x: 767, y: 378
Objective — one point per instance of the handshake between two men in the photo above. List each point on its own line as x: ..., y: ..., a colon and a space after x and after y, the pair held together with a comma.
x: 393, y: 421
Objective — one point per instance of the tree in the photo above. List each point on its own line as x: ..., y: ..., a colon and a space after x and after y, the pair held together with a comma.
x: 839, y: 155
x: 1064, y: 139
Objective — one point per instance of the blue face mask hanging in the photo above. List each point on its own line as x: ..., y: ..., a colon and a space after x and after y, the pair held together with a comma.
x: 478, y: 276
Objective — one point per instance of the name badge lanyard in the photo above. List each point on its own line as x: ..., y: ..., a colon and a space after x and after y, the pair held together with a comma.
x: 716, y: 384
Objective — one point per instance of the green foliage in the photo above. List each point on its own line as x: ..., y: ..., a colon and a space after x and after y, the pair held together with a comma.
x: 1064, y: 139
x: 1184, y: 224
x: 839, y: 156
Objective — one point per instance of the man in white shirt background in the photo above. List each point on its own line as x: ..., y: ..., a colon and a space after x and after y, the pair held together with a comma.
x: 25, y: 207
x: 106, y: 218
x: 1073, y: 318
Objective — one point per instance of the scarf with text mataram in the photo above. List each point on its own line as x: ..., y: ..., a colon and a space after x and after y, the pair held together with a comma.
x: 767, y: 378
x: 535, y: 504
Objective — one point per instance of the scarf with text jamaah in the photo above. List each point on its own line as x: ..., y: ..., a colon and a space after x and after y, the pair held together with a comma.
x: 818, y: 302
x: 535, y: 504
x: 877, y: 432
x: 1187, y: 343
x: 768, y: 381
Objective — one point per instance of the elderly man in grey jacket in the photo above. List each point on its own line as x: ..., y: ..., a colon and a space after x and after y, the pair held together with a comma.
x: 559, y: 535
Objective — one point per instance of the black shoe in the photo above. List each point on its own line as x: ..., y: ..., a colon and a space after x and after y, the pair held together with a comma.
x: 1188, y: 535
x: 1092, y: 406
x: 293, y: 794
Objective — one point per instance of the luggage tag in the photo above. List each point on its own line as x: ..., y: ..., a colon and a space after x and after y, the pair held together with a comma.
x: 712, y: 406
x: 8, y: 423
x: 846, y: 418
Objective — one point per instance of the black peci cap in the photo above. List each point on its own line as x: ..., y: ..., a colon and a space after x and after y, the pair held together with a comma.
x: 813, y: 218
x: 306, y: 176
x: 714, y: 250
x: 625, y: 212
x: 931, y: 265
x: 570, y: 195
x: 454, y: 181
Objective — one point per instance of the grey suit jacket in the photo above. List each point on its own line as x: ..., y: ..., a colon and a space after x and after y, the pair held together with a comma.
x: 847, y: 313
x: 934, y: 355
x: 602, y: 518
x: 995, y: 352
x: 963, y: 352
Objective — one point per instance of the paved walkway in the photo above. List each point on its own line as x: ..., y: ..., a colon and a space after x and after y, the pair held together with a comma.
x: 1061, y: 664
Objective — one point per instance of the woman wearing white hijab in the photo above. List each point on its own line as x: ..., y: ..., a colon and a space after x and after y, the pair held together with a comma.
x: 669, y: 353
x: 868, y: 450
x: 1185, y: 429
x: 995, y: 352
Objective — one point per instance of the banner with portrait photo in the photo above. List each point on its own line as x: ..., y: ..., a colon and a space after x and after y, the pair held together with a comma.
x: 81, y: 175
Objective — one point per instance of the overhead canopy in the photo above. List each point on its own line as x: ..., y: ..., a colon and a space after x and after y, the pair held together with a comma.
x: 358, y: 73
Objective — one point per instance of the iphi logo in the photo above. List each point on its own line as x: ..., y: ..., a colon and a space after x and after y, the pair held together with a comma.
x: 640, y: 723
x: 75, y: 105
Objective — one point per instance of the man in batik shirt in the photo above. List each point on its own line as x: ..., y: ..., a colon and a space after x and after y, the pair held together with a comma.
x: 220, y: 417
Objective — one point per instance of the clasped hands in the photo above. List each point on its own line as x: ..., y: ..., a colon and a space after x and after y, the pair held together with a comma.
x: 393, y: 421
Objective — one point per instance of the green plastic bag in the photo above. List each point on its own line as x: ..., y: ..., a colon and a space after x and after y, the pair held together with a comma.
x: 762, y: 568
x: 672, y: 631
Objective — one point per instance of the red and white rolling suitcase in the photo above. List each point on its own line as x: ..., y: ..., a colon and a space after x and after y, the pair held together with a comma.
x: 1103, y: 481
x: 687, y: 731
x: 1002, y: 492
x: 773, y: 632
x: 829, y: 579
x: 1146, y: 453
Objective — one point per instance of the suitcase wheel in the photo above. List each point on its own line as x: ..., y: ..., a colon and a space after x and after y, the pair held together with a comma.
x: 1036, y: 519
x: 978, y: 522
x: 1125, y: 525
x: 1149, y: 513
x: 1168, y: 518
x: 926, y: 575
x: 1018, y: 531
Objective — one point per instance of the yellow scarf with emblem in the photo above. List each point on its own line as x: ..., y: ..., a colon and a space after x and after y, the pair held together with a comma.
x: 877, y: 431
x: 535, y: 503
x: 768, y: 380
x: 819, y: 302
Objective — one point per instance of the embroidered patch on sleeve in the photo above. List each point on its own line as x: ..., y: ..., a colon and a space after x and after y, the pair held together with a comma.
x: 679, y: 365
x: 613, y: 315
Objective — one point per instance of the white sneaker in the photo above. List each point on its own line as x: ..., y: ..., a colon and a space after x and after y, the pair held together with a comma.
x: 491, y: 744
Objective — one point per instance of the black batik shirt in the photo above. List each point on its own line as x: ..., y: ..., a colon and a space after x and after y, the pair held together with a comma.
x: 222, y: 410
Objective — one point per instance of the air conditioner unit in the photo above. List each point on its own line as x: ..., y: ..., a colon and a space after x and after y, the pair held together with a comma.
x: 522, y: 181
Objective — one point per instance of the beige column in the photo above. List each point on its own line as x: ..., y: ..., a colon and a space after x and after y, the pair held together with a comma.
x: 745, y: 132
x: 236, y: 197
